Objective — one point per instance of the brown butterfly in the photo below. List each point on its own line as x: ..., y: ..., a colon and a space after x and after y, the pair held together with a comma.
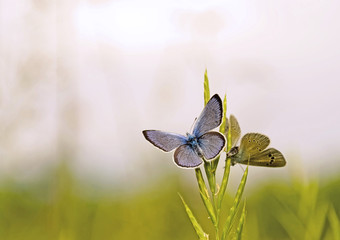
x: 252, y: 149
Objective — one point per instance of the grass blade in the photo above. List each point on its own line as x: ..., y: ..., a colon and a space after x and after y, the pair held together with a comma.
x: 223, y: 184
x: 205, y: 195
x: 227, y: 162
x: 234, y: 208
x: 241, y: 223
x: 198, y: 229
x: 334, y: 222
x: 317, y: 223
x: 206, y: 88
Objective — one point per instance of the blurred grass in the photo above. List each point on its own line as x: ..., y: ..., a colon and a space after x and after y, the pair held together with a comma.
x: 58, y: 206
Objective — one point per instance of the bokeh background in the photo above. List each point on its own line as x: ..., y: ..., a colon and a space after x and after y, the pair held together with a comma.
x: 80, y: 80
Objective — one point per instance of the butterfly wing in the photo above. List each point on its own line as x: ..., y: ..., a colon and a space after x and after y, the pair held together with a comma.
x: 185, y: 156
x: 252, y: 151
x: 253, y: 143
x: 210, y: 118
x: 211, y: 144
x: 235, y: 130
x: 164, y: 140
x: 267, y: 158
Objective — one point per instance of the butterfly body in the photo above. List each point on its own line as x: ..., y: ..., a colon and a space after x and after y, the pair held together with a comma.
x: 201, y: 144
x: 193, y: 142
x: 233, y: 151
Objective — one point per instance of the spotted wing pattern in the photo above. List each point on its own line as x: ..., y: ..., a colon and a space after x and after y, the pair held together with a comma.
x: 253, y: 151
x: 270, y: 157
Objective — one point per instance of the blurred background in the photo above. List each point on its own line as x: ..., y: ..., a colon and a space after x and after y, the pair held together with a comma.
x: 80, y: 80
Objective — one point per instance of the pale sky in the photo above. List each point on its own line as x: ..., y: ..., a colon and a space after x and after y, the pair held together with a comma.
x: 135, y: 65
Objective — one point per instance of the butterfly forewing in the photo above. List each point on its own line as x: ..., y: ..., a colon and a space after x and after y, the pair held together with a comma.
x: 185, y: 156
x: 267, y: 158
x: 235, y: 130
x: 210, y: 118
x: 253, y: 143
x: 164, y: 140
x: 211, y: 144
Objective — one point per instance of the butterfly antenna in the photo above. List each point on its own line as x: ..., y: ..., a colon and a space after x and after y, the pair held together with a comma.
x: 192, y: 126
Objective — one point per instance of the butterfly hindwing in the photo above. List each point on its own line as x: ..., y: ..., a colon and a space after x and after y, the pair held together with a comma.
x: 270, y: 157
x: 210, y: 118
x: 164, y: 140
x: 211, y: 144
x: 185, y: 156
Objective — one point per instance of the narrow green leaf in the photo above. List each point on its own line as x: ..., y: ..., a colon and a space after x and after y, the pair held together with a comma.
x: 198, y: 229
x: 334, y: 222
x: 234, y: 208
x: 223, y: 184
x: 318, y: 225
x: 205, y: 195
x: 206, y: 88
x: 226, y: 173
x: 241, y: 223
x: 290, y: 221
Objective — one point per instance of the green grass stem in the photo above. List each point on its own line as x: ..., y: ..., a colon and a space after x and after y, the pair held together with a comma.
x: 241, y: 223
x: 226, y: 172
x: 234, y: 208
x: 206, y: 88
x: 205, y: 196
x: 224, y: 184
x: 210, y: 172
x: 334, y: 222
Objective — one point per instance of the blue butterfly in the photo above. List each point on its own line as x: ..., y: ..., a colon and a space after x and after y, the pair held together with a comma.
x: 201, y: 144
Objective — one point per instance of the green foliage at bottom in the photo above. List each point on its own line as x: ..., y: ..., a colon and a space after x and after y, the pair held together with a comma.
x: 60, y: 207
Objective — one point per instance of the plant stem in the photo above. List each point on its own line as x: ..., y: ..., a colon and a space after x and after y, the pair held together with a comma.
x: 217, y: 234
x: 205, y: 196
x: 210, y: 173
